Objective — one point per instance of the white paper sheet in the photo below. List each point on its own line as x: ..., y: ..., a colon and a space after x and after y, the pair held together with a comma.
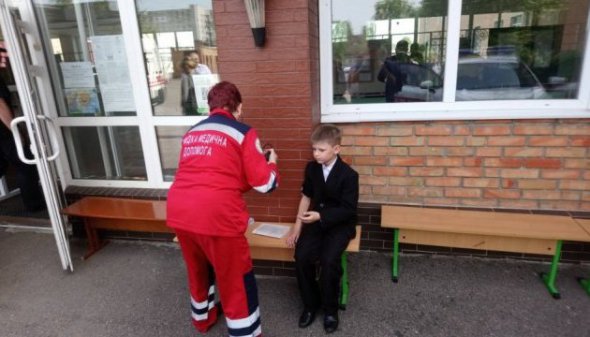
x: 272, y: 230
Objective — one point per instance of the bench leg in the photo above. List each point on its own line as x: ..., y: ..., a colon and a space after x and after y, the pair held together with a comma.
x: 94, y: 242
x: 344, y: 287
x: 585, y: 283
x: 395, y: 259
x: 549, y: 280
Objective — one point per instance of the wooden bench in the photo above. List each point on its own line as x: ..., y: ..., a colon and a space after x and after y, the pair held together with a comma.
x: 268, y: 248
x: 585, y: 282
x: 118, y: 214
x: 497, y: 231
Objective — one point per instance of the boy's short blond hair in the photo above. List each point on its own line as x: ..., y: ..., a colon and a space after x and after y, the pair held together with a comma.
x: 328, y: 133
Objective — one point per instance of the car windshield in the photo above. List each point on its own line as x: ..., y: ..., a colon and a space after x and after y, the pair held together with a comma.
x: 493, y: 75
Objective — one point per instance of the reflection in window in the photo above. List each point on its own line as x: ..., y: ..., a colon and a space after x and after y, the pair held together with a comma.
x: 86, y: 57
x: 169, y: 141
x: 111, y: 153
x: 388, y: 51
x: 521, y: 49
x: 170, y: 32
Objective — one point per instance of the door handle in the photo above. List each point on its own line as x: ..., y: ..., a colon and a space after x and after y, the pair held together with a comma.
x: 52, y: 135
x: 18, y: 141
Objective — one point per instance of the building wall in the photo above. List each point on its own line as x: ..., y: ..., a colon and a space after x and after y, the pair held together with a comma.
x: 280, y: 88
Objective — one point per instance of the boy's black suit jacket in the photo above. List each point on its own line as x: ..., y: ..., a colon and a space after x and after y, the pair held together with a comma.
x: 335, y: 199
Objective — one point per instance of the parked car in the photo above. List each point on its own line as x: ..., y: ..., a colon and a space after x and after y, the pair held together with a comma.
x: 492, y: 78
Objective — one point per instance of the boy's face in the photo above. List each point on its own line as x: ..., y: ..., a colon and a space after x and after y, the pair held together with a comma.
x: 324, y: 153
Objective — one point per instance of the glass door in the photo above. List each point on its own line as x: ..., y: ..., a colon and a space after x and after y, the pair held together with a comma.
x: 28, y: 64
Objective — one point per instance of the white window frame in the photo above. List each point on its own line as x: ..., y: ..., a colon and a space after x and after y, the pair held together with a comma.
x: 448, y: 109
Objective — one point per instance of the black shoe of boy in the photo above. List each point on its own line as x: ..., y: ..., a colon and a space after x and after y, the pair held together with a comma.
x: 306, y: 318
x: 330, y: 323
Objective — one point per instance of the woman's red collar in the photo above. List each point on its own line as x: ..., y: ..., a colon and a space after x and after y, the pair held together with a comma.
x: 221, y: 111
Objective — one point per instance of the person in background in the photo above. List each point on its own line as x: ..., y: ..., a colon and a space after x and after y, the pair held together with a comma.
x: 200, y: 69
x: 391, y: 72
x: 325, y: 224
x: 26, y: 175
x: 188, y: 99
x: 220, y: 160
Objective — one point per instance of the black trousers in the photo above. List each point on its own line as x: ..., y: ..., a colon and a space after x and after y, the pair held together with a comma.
x: 325, y: 247
x: 27, y: 177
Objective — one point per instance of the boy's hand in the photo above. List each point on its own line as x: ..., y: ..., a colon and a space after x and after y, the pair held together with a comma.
x: 293, y: 236
x: 309, y: 217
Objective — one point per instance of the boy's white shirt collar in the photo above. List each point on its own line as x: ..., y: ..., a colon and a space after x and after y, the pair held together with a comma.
x: 328, y: 168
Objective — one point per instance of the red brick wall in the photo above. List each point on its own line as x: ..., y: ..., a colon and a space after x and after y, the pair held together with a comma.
x: 528, y: 164
x: 280, y: 88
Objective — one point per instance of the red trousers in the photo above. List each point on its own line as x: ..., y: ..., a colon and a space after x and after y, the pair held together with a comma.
x: 225, y: 262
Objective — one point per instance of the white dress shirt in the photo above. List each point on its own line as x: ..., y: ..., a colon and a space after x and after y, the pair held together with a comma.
x: 327, y: 168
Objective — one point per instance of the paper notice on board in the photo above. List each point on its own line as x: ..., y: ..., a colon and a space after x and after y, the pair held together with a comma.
x: 202, y: 85
x: 77, y: 75
x: 113, y: 73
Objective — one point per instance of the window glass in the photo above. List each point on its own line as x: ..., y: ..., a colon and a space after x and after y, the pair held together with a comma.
x: 169, y: 144
x: 86, y: 55
x: 388, y: 51
x: 111, y: 153
x: 172, y: 32
x: 521, y: 49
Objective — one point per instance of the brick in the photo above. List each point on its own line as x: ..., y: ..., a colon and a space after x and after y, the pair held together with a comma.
x: 567, y: 152
x: 519, y: 173
x: 520, y: 204
x: 442, y: 181
x: 430, y: 192
x: 580, y: 141
x: 542, y: 163
x: 355, y: 150
x: 574, y: 185
x: 503, y: 162
x: 506, y: 141
x: 461, y: 130
x: 478, y: 202
x: 446, y: 141
x: 370, y: 160
x: 508, y: 183
x: 453, y: 192
x: 464, y: 172
x: 358, y: 130
x: 571, y: 195
x: 389, y: 190
x: 523, y: 152
x: 491, y: 130
x: 537, y: 184
x: 371, y: 141
x: 476, y: 141
x: 426, y: 151
x: 390, y: 150
x: 407, y: 161
x: 577, y: 164
x: 481, y: 182
x: 533, y: 129
x: 390, y: 171
x: 406, y: 181
x: 364, y: 180
x: 548, y: 141
x: 541, y: 195
x: 489, y: 152
x: 426, y: 171
x: 441, y: 201
x: 501, y: 194
x: 578, y: 129
x: 444, y: 161
x: 406, y: 141
x: 394, y: 131
x: 434, y: 130
x: 459, y: 151
x: 560, y: 174
x: 474, y: 161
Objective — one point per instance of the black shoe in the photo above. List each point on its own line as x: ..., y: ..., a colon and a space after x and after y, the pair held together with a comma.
x: 306, y: 318
x: 330, y: 323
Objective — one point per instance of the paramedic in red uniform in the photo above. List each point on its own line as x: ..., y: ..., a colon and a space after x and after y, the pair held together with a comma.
x: 221, y: 158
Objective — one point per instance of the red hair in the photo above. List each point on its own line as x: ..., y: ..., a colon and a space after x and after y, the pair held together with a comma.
x: 224, y: 95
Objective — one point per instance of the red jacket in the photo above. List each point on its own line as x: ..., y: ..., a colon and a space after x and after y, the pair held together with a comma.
x: 220, y: 160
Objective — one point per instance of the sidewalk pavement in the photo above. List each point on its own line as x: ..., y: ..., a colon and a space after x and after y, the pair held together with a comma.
x: 139, y: 289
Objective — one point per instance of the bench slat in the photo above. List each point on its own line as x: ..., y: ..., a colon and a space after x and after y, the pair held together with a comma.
x: 480, y: 242
x: 585, y: 224
x: 268, y: 248
x: 535, y: 226
x: 117, y: 208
